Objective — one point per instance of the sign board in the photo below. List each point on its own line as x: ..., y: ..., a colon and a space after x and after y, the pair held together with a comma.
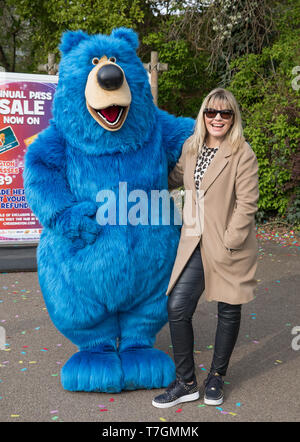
x: 25, y: 110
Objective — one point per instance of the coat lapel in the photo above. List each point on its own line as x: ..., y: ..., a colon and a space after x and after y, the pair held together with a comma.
x: 215, y: 168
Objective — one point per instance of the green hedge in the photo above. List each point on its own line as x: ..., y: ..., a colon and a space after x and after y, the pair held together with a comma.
x: 262, y: 85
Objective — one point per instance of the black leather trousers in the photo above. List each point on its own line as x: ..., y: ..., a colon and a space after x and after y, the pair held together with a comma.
x: 182, y: 304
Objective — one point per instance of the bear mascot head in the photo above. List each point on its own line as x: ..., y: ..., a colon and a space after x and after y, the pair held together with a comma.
x: 93, y: 179
x: 109, y: 84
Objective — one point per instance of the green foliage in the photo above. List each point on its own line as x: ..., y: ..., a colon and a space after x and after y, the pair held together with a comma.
x: 262, y: 83
x: 236, y: 28
x: 293, y: 212
x: 185, y: 84
x: 50, y: 18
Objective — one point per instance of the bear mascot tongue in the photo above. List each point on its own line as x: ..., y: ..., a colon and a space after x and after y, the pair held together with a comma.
x: 111, y: 113
x: 104, y: 259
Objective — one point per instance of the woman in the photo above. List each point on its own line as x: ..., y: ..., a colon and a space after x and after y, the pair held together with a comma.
x: 220, y: 170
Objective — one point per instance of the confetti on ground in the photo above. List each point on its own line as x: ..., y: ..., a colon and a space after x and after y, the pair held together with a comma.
x: 33, y: 358
x: 280, y: 235
x: 225, y: 412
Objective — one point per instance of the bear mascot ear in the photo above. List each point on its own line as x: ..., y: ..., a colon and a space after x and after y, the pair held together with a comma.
x: 126, y: 34
x: 70, y: 39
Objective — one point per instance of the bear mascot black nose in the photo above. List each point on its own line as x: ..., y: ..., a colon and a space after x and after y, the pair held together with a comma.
x: 110, y: 77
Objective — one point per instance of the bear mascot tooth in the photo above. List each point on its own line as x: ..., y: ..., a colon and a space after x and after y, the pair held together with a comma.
x: 103, y: 278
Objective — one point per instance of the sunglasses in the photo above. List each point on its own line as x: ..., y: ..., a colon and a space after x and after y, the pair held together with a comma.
x: 225, y: 114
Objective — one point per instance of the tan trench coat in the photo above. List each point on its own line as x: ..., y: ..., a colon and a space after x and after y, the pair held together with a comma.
x: 226, y: 219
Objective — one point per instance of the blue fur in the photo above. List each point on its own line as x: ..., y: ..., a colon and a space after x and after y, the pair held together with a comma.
x: 104, y: 286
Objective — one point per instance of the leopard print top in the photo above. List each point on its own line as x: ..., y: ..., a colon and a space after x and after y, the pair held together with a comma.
x: 204, y: 159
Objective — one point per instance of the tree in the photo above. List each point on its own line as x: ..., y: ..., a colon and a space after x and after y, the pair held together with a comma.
x: 263, y: 85
x: 226, y: 29
x: 15, y: 43
x: 184, y: 85
x: 48, y: 19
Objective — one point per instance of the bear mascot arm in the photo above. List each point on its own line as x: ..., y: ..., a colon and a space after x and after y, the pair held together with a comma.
x: 49, y: 195
x: 176, y: 130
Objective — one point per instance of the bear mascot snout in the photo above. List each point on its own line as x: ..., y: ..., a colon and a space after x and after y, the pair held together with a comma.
x: 104, y: 257
x: 109, y: 109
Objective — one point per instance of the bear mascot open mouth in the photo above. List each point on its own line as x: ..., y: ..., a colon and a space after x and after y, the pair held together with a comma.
x: 107, y: 93
x: 112, y: 115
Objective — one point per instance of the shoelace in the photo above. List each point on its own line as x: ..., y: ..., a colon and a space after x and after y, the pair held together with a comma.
x: 172, y: 385
x: 213, y: 381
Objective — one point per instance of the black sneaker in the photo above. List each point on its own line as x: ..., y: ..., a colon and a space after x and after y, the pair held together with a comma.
x: 213, y: 394
x: 178, y: 391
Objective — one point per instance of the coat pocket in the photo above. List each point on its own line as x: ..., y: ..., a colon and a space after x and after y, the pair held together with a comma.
x: 230, y: 252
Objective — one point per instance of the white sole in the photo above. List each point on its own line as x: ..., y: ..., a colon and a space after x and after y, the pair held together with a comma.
x: 213, y: 401
x: 187, y: 398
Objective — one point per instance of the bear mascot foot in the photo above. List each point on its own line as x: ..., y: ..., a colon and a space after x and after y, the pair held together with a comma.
x: 146, y: 367
x: 96, y: 369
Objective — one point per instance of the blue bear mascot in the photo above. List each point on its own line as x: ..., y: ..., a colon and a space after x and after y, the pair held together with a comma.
x: 104, y: 260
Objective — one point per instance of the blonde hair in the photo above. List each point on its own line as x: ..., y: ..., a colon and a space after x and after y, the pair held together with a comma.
x: 234, y: 135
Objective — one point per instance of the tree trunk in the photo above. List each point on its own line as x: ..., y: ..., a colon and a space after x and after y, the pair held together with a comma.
x: 3, y: 60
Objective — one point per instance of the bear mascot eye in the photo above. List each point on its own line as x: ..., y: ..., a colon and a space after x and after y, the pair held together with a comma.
x: 95, y: 60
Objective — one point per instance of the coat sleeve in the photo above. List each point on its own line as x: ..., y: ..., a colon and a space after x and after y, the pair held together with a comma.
x: 247, y: 195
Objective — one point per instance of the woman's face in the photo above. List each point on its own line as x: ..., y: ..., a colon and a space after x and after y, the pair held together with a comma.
x: 218, y: 127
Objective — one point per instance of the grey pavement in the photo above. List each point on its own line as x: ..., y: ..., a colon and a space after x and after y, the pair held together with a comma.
x: 262, y: 383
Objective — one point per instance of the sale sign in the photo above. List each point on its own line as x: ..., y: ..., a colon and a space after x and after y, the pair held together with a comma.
x: 25, y: 110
